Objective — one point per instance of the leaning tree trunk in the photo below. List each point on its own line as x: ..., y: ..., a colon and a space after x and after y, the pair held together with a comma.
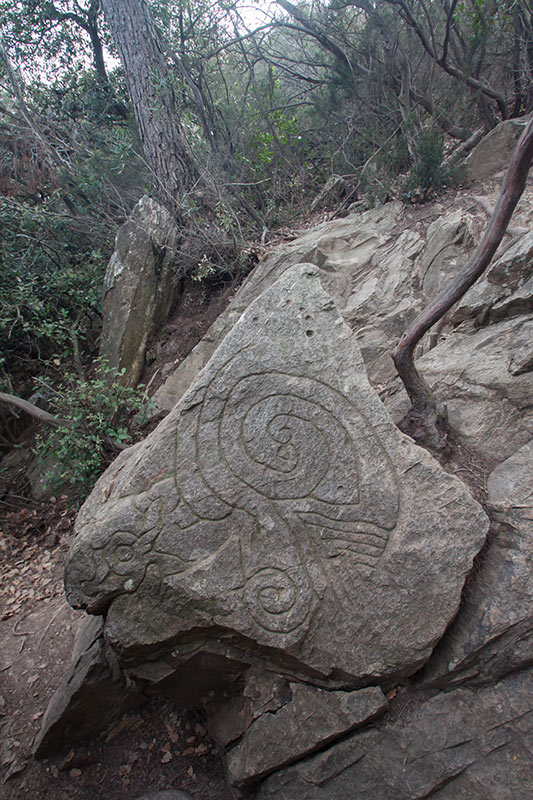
x: 156, y: 110
x: 423, y: 417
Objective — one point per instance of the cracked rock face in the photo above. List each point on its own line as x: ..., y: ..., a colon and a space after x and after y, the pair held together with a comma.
x: 277, y: 513
x: 309, y: 720
x: 461, y: 745
x: 493, y: 635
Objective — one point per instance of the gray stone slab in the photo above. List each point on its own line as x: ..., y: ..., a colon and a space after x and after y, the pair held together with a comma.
x: 494, y: 152
x: 311, y: 719
x: 484, y: 380
x: 460, y: 745
x: 92, y: 694
x: 140, y: 287
x: 494, y: 633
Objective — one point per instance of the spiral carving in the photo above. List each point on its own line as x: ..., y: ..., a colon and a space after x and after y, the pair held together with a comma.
x: 308, y: 469
x: 276, y: 601
x: 279, y: 444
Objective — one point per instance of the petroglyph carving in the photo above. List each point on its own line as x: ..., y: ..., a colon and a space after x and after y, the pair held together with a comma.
x: 277, y: 507
x: 288, y: 462
x: 297, y: 456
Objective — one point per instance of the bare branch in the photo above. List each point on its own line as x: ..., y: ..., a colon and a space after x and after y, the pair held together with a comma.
x: 36, y: 412
x: 441, y: 61
x: 49, y: 419
x: 322, y: 38
x: 423, y: 413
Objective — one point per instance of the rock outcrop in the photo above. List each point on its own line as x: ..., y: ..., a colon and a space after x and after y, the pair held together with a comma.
x: 494, y: 633
x: 494, y: 151
x: 277, y: 520
x: 308, y: 721
x: 140, y: 287
x: 459, y: 745
x: 279, y: 507
x: 93, y: 693
x: 278, y: 553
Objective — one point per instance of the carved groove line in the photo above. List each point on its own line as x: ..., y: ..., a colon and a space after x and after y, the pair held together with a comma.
x: 276, y: 439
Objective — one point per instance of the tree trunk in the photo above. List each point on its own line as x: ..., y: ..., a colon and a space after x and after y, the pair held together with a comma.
x: 142, y: 54
x: 98, y: 53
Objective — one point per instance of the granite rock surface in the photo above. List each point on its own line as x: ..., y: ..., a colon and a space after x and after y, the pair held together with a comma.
x: 277, y: 510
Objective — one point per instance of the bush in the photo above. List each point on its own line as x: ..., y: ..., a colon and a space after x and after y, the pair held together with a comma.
x: 103, y: 417
x: 50, y: 282
x: 428, y: 174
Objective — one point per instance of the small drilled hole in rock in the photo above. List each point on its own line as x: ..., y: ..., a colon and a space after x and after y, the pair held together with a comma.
x: 302, y: 308
x: 308, y: 316
x: 309, y: 333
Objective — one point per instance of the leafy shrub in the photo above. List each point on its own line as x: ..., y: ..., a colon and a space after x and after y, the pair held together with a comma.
x: 50, y: 282
x: 428, y: 174
x: 103, y: 416
x: 59, y: 214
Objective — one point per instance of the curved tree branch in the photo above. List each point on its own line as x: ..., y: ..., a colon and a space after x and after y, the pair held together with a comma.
x: 442, y: 62
x: 49, y: 419
x: 36, y: 412
x: 326, y: 42
x: 423, y: 414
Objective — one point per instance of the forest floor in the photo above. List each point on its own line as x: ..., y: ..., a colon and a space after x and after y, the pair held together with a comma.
x: 154, y: 747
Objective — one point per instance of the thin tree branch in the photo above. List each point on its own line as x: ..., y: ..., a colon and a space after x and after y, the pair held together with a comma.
x: 423, y: 413
x: 441, y: 61
x: 49, y: 419
x: 36, y: 412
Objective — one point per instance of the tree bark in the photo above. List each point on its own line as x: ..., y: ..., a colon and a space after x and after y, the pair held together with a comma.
x: 423, y: 417
x: 149, y: 82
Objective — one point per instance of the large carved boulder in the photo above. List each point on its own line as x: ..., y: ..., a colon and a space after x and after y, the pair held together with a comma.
x: 140, y: 287
x: 278, y: 520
